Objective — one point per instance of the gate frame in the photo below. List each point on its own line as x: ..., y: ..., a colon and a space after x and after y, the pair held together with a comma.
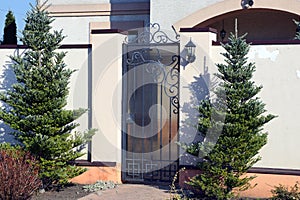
x: 150, y: 39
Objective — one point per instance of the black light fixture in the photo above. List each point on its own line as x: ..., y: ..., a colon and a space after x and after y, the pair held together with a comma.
x: 222, y: 32
x: 190, y: 51
x: 247, y: 3
x: 250, y: 2
x: 298, y: 25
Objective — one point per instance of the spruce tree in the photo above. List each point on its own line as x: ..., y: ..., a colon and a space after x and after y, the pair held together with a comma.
x: 10, y: 29
x: 239, y: 134
x: 297, y: 35
x: 35, y: 106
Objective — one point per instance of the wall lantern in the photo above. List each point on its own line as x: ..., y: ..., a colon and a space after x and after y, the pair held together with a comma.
x: 247, y: 3
x: 250, y: 2
x: 222, y: 32
x: 190, y: 51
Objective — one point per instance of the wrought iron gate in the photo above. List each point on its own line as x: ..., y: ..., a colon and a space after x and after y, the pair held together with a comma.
x: 150, y: 107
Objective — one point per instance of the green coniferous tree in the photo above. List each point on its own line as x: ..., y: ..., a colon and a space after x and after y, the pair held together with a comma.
x: 34, y: 107
x: 10, y: 29
x: 297, y: 35
x: 241, y: 129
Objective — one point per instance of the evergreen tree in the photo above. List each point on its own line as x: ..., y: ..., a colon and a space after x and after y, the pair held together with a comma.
x: 297, y: 35
x: 237, y: 114
x: 10, y: 29
x: 34, y: 108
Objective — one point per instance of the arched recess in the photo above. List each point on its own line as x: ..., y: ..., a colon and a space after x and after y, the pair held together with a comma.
x: 266, y: 20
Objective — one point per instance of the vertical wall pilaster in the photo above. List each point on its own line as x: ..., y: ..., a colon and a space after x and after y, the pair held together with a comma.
x: 194, y: 81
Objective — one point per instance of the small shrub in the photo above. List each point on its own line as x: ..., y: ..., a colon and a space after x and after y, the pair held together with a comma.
x: 176, y: 194
x: 18, y: 174
x: 283, y: 192
x: 99, y: 185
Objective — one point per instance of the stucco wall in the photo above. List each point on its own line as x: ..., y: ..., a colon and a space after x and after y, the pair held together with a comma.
x: 76, y: 28
x: 107, y: 96
x: 92, y: 1
x: 76, y: 18
x: 278, y: 71
x: 168, y: 13
x: 194, y: 85
x: 76, y: 59
x: 6, y: 79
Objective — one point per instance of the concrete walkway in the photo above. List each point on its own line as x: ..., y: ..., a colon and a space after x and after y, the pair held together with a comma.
x: 131, y: 192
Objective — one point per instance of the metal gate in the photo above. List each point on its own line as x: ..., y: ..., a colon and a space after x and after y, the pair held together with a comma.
x: 150, y: 107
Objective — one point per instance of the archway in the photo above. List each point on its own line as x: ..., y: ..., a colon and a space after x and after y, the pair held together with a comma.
x: 266, y: 20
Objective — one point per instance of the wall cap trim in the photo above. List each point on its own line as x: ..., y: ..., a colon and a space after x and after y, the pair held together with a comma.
x: 94, y: 163
x: 206, y: 29
x: 260, y: 170
x: 63, y: 46
x: 266, y: 42
x: 105, y: 31
x: 101, y: 9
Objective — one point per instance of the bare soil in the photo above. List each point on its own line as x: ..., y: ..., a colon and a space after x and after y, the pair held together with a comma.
x: 70, y: 192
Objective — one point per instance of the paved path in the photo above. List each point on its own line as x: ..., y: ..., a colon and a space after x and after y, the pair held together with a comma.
x: 132, y: 192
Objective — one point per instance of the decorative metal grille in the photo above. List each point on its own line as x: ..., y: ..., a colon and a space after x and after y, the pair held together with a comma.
x: 150, y: 106
x: 153, y: 34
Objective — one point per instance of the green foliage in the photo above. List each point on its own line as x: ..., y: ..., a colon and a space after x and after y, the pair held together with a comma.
x: 297, y: 35
x: 176, y: 194
x: 18, y: 173
x: 99, y: 185
x: 234, y: 123
x: 34, y: 108
x: 10, y: 29
x: 283, y: 192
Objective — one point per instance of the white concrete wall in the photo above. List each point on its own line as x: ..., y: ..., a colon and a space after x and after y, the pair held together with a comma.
x: 7, y: 78
x: 167, y: 13
x: 107, y: 96
x: 192, y: 84
x: 278, y: 71
x: 76, y: 59
x: 77, y: 29
x: 75, y: 17
x: 58, y: 2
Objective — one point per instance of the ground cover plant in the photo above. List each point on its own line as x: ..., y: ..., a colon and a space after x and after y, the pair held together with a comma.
x: 285, y: 192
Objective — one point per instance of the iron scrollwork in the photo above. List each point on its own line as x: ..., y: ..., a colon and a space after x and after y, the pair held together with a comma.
x: 168, y: 76
x: 165, y: 74
x: 172, y: 83
x: 153, y: 34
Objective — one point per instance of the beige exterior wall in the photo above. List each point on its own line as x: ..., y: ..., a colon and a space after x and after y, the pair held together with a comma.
x: 6, y: 79
x: 76, y: 28
x: 167, y: 13
x: 106, y: 96
x: 223, y: 7
x: 78, y: 18
x: 191, y: 85
x: 76, y: 59
x: 277, y: 70
x: 67, y: 2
